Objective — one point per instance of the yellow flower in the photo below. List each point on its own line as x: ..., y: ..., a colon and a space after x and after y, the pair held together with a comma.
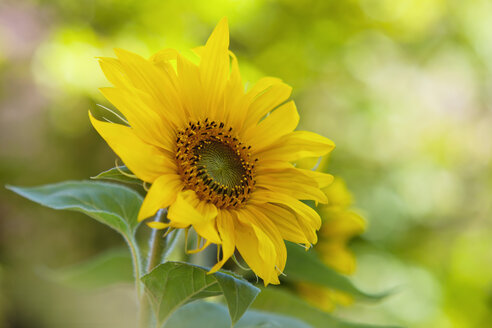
x: 218, y: 157
x: 340, y: 224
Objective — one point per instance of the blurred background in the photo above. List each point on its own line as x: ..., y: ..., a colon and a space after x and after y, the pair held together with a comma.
x: 404, y: 88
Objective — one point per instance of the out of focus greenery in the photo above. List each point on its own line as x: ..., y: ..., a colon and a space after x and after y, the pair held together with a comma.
x: 403, y: 87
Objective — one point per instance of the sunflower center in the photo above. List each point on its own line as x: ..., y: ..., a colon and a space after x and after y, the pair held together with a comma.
x: 215, y: 164
x: 221, y: 163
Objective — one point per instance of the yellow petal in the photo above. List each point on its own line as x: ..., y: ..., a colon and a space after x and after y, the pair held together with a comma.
x: 286, y: 223
x: 145, y: 161
x: 261, y: 196
x: 145, y: 121
x: 188, y: 209
x: 323, y: 179
x: 276, y: 125
x: 226, y: 227
x: 114, y: 72
x: 214, y: 66
x: 266, y: 95
x: 308, y: 219
x: 262, y: 86
x: 234, y: 109
x: 291, y: 182
x: 161, y: 194
x: 162, y: 57
x: 296, y: 145
x: 250, y: 246
x: 157, y: 225
x: 153, y: 81
x: 191, y: 88
x: 263, y: 222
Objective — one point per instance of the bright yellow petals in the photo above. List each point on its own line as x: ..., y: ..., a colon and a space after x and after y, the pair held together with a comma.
x: 266, y: 95
x: 157, y: 225
x: 307, y: 218
x: 161, y: 194
x: 131, y: 71
x: 188, y: 209
x: 259, y: 219
x: 190, y: 87
x: 226, y: 228
x: 234, y: 97
x: 296, y: 145
x: 214, y: 65
x: 292, y: 182
x: 323, y: 179
x: 148, y: 163
x: 219, y: 158
x: 144, y: 121
x: 257, y: 250
x: 279, y: 123
x: 286, y: 223
x: 163, y: 57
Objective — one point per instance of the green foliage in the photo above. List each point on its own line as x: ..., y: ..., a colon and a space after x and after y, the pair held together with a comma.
x: 114, y: 205
x: 279, y: 301
x: 120, y: 173
x: 110, y: 267
x: 173, y: 284
x: 111, y: 204
x: 305, y: 266
x: 213, y: 315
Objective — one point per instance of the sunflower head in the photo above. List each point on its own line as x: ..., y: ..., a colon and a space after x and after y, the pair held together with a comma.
x: 215, y: 164
x: 219, y: 157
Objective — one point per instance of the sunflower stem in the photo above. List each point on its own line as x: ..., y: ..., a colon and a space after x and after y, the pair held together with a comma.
x: 157, y: 246
x: 137, y: 264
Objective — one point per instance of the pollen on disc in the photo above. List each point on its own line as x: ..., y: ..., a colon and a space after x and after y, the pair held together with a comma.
x: 215, y: 164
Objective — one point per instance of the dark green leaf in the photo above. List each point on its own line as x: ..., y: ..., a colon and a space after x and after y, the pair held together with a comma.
x: 307, y: 267
x: 120, y: 174
x: 213, y: 315
x: 173, y: 284
x: 111, y: 204
x: 114, y: 266
x: 279, y: 301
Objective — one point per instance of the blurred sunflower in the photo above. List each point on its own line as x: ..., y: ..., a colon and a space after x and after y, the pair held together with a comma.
x: 340, y: 224
x: 218, y: 158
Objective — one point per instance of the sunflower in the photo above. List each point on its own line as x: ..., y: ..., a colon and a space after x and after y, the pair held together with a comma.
x: 340, y: 224
x: 217, y: 156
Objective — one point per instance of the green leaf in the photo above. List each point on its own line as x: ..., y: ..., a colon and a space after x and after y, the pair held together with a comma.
x: 173, y: 284
x: 120, y: 174
x: 114, y: 205
x: 305, y: 266
x: 280, y: 301
x: 213, y: 315
x: 110, y: 267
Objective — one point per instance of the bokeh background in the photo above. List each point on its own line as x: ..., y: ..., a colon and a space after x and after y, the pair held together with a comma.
x: 403, y: 87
